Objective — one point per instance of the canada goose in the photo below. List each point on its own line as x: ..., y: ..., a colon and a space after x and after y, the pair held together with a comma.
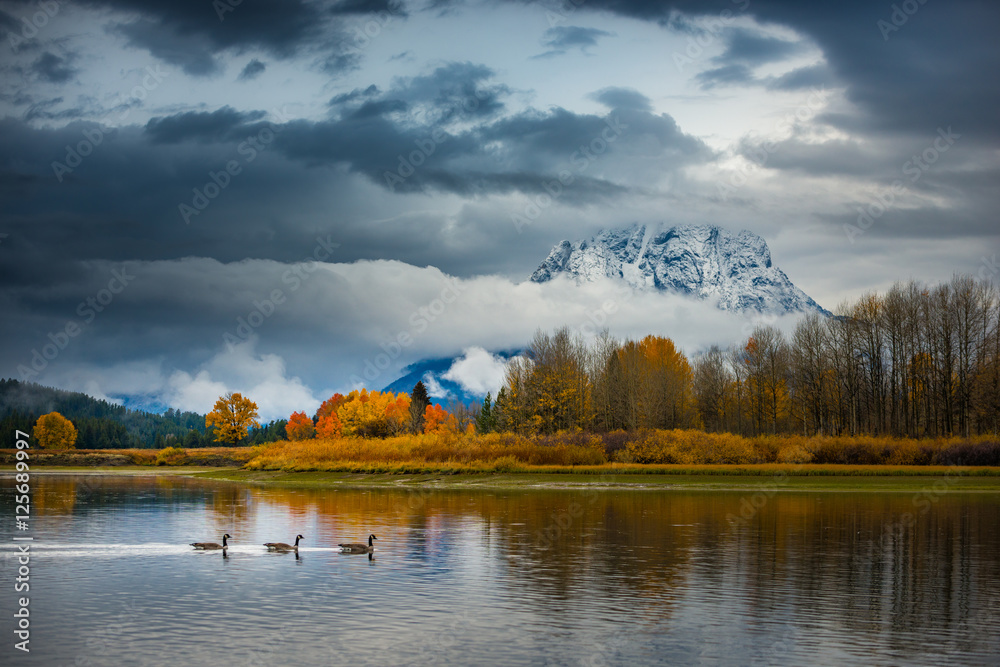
x: 212, y: 545
x: 281, y: 546
x: 358, y: 547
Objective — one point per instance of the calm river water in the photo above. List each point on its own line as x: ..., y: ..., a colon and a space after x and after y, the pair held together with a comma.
x: 501, y: 577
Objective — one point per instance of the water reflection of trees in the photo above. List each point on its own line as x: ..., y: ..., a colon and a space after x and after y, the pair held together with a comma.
x: 803, y: 557
x: 66, y: 495
x: 856, y: 561
x: 810, y: 559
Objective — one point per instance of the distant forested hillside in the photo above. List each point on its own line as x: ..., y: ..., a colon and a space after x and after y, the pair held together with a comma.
x: 104, y: 425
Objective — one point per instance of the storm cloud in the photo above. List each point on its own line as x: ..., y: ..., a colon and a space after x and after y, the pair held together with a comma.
x: 397, y: 148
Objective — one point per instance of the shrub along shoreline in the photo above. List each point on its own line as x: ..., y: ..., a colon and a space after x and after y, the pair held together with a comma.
x: 508, y: 451
x: 638, y: 452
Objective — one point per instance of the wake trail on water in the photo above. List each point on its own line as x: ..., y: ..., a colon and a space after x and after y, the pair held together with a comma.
x: 50, y: 550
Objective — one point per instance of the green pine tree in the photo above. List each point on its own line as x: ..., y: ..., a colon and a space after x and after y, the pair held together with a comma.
x: 418, y: 404
x: 499, y: 412
x: 484, y: 421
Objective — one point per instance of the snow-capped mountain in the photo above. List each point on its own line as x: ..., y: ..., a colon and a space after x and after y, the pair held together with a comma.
x: 704, y: 261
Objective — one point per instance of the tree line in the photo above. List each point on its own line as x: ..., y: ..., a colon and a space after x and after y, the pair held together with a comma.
x: 914, y: 361
x: 104, y: 425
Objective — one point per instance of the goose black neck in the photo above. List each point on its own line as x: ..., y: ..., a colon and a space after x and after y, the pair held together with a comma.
x: 297, y: 537
x: 369, y: 540
x: 224, y: 545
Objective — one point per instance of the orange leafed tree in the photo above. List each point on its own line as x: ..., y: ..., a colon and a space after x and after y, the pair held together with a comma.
x: 656, y: 382
x: 329, y: 426
x: 330, y: 406
x: 54, y: 431
x: 299, y: 427
x: 374, y: 413
x: 438, y: 420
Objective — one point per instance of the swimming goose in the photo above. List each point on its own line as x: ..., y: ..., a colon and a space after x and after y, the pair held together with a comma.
x: 281, y: 546
x: 212, y: 545
x: 358, y: 547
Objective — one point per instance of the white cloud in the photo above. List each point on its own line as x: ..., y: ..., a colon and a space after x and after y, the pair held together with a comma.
x: 347, y: 322
x: 433, y: 387
x: 194, y: 394
x: 260, y: 377
x: 478, y: 371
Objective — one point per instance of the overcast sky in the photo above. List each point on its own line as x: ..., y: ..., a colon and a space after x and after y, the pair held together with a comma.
x: 180, y: 164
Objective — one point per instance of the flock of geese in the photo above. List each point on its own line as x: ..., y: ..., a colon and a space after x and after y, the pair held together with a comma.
x: 283, y: 547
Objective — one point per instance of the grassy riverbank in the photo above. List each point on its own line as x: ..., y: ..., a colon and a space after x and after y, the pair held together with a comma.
x: 492, y: 462
x: 206, y: 457
x: 778, y: 478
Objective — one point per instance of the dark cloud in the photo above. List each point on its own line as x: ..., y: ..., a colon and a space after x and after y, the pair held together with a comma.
x: 562, y: 38
x: 449, y: 131
x: 253, y: 69
x: 339, y: 62
x: 560, y: 133
x: 830, y: 158
x: 356, y: 94
x: 751, y: 48
x: 53, y: 109
x: 8, y: 23
x: 306, y: 179
x: 453, y: 92
x: 53, y: 68
x: 567, y: 37
x: 903, y: 80
x: 199, y: 125
x: 190, y: 34
x: 368, y: 7
x: 379, y: 108
x: 815, y: 76
x: 623, y: 98
x: 192, y: 52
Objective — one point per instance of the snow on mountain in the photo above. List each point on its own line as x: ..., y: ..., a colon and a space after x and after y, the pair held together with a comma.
x: 702, y: 261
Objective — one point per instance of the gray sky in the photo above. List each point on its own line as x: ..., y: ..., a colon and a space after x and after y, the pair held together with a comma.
x: 209, y: 154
